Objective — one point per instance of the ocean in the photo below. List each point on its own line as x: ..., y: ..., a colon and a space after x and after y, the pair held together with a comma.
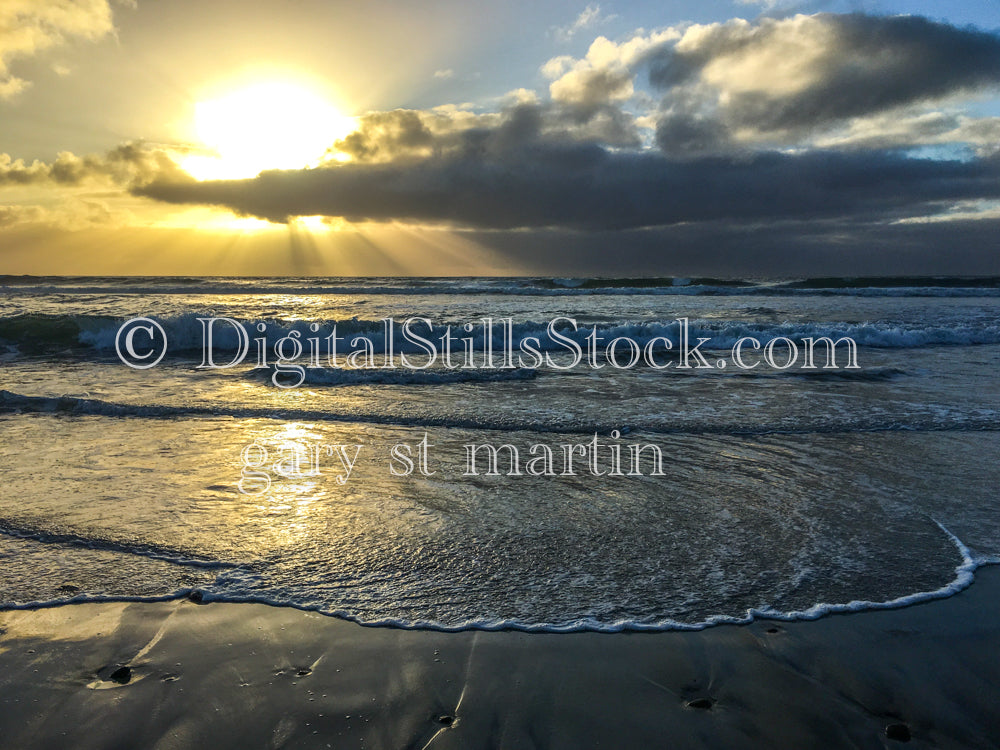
x: 780, y: 492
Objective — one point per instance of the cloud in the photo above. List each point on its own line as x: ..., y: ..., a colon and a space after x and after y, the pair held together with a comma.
x: 691, y: 135
x: 444, y: 74
x: 15, y: 215
x: 770, y: 5
x: 799, y: 119
x: 129, y: 163
x: 730, y: 249
x: 589, y: 18
x: 28, y: 27
x: 590, y: 86
x: 962, y: 211
x: 788, y: 77
x: 779, y: 81
x: 79, y: 192
x: 69, y: 213
x: 606, y: 73
x: 585, y: 187
x: 916, y: 129
x: 407, y: 135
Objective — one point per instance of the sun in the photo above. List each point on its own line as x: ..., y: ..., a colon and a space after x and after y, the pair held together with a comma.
x: 266, y: 125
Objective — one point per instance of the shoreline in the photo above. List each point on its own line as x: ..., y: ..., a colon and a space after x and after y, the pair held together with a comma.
x: 176, y: 674
x: 965, y: 576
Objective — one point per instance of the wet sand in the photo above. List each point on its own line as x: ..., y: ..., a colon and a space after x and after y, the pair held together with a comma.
x: 186, y: 675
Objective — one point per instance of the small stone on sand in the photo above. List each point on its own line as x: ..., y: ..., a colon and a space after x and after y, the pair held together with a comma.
x: 122, y: 675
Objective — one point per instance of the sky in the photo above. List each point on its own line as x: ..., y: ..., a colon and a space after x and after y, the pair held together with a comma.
x: 726, y: 138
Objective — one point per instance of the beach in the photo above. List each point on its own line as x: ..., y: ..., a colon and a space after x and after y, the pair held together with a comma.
x: 226, y: 675
x: 558, y: 556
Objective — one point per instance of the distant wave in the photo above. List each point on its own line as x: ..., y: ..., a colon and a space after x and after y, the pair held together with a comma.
x: 868, y: 374
x: 42, y: 332
x: 937, y: 286
x: 981, y: 420
x: 343, y: 376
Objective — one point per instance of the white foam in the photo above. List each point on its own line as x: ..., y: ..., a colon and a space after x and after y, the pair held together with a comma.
x: 964, y: 577
x: 185, y: 334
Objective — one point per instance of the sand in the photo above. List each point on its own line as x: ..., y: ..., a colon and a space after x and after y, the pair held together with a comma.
x: 186, y: 675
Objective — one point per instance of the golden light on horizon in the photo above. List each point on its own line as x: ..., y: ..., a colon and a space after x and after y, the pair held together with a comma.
x: 266, y: 125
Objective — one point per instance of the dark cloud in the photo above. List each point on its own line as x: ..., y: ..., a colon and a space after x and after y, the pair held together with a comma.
x: 382, y: 136
x: 405, y: 135
x: 596, y: 123
x: 685, y: 134
x: 583, y: 186
x: 803, y: 72
x: 728, y: 249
